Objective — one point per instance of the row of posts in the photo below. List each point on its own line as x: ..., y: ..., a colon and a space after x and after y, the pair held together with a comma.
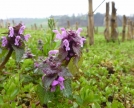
x: 110, y: 33
x: 127, y: 25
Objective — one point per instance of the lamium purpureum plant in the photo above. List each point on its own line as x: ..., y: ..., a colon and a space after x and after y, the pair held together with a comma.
x: 55, y: 66
x: 14, y: 41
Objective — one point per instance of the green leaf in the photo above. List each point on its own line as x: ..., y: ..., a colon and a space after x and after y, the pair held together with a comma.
x: 3, y: 54
x: 1, y: 100
x: 72, y: 67
x: 19, y: 52
x: 78, y: 61
x: 75, y: 64
x: 75, y: 105
x: 0, y: 50
x: 95, y: 105
x: 67, y: 92
x: 12, y: 90
x: 44, y: 96
x: 26, y: 78
x: 14, y: 93
x: 78, y: 99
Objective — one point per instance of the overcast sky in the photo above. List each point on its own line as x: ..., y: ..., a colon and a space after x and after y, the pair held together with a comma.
x: 45, y: 8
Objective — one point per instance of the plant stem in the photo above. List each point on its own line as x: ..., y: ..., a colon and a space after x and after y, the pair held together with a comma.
x: 6, y: 59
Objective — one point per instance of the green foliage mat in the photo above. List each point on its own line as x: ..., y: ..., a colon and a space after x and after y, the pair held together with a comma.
x: 103, y: 79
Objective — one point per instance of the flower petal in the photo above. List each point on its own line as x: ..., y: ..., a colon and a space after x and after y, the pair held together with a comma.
x: 64, y: 34
x: 4, y: 41
x: 61, y: 79
x: 53, y: 89
x: 81, y: 41
x: 59, y: 36
x: 17, y: 39
x: 66, y: 44
x: 56, y: 31
x: 36, y: 65
x: 79, y: 31
x: 21, y: 29
x: 11, y: 31
x: 27, y: 36
x: 61, y: 85
x: 62, y: 29
x: 54, y: 83
x: 53, y: 52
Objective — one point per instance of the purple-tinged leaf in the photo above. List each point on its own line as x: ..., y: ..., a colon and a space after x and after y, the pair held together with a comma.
x: 48, y: 79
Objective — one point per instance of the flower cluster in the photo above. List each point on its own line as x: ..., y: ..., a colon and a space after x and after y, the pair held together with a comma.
x: 53, y: 71
x: 71, y: 43
x: 57, y: 81
x: 54, y: 67
x: 15, y: 36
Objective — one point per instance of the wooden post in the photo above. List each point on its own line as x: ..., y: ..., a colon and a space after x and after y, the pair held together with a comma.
x: 68, y: 24
x: 76, y: 27
x: 35, y: 26
x: 124, y: 28
x: 106, y: 31
x: 133, y: 30
x: 131, y: 24
x: 90, y: 23
x: 41, y: 27
x: 114, y: 33
x: 2, y: 23
x: 7, y: 24
x: 87, y: 32
x: 128, y: 29
x: 32, y: 28
x: 13, y: 22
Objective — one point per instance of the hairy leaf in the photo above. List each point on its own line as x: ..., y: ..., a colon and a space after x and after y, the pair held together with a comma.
x: 72, y: 67
x: 77, y: 50
x: 19, y: 52
x: 67, y: 92
x: 44, y: 96
x: 47, y: 80
x: 65, y: 72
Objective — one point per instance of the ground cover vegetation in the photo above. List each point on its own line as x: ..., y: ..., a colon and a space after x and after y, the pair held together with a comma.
x: 58, y: 69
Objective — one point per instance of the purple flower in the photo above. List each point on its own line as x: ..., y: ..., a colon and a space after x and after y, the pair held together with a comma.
x: 4, y: 41
x: 58, y: 35
x: 67, y: 58
x: 66, y: 44
x: 26, y: 37
x: 62, y: 35
x: 11, y: 31
x: 21, y: 29
x: 17, y: 39
x: 53, y: 52
x: 79, y: 31
x: 36, y: 65
x: 28, y: 55
x: 81, y: 41
x: 60, y: 82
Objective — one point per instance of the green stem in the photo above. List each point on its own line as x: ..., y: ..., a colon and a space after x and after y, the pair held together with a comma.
x: 6, y: 59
